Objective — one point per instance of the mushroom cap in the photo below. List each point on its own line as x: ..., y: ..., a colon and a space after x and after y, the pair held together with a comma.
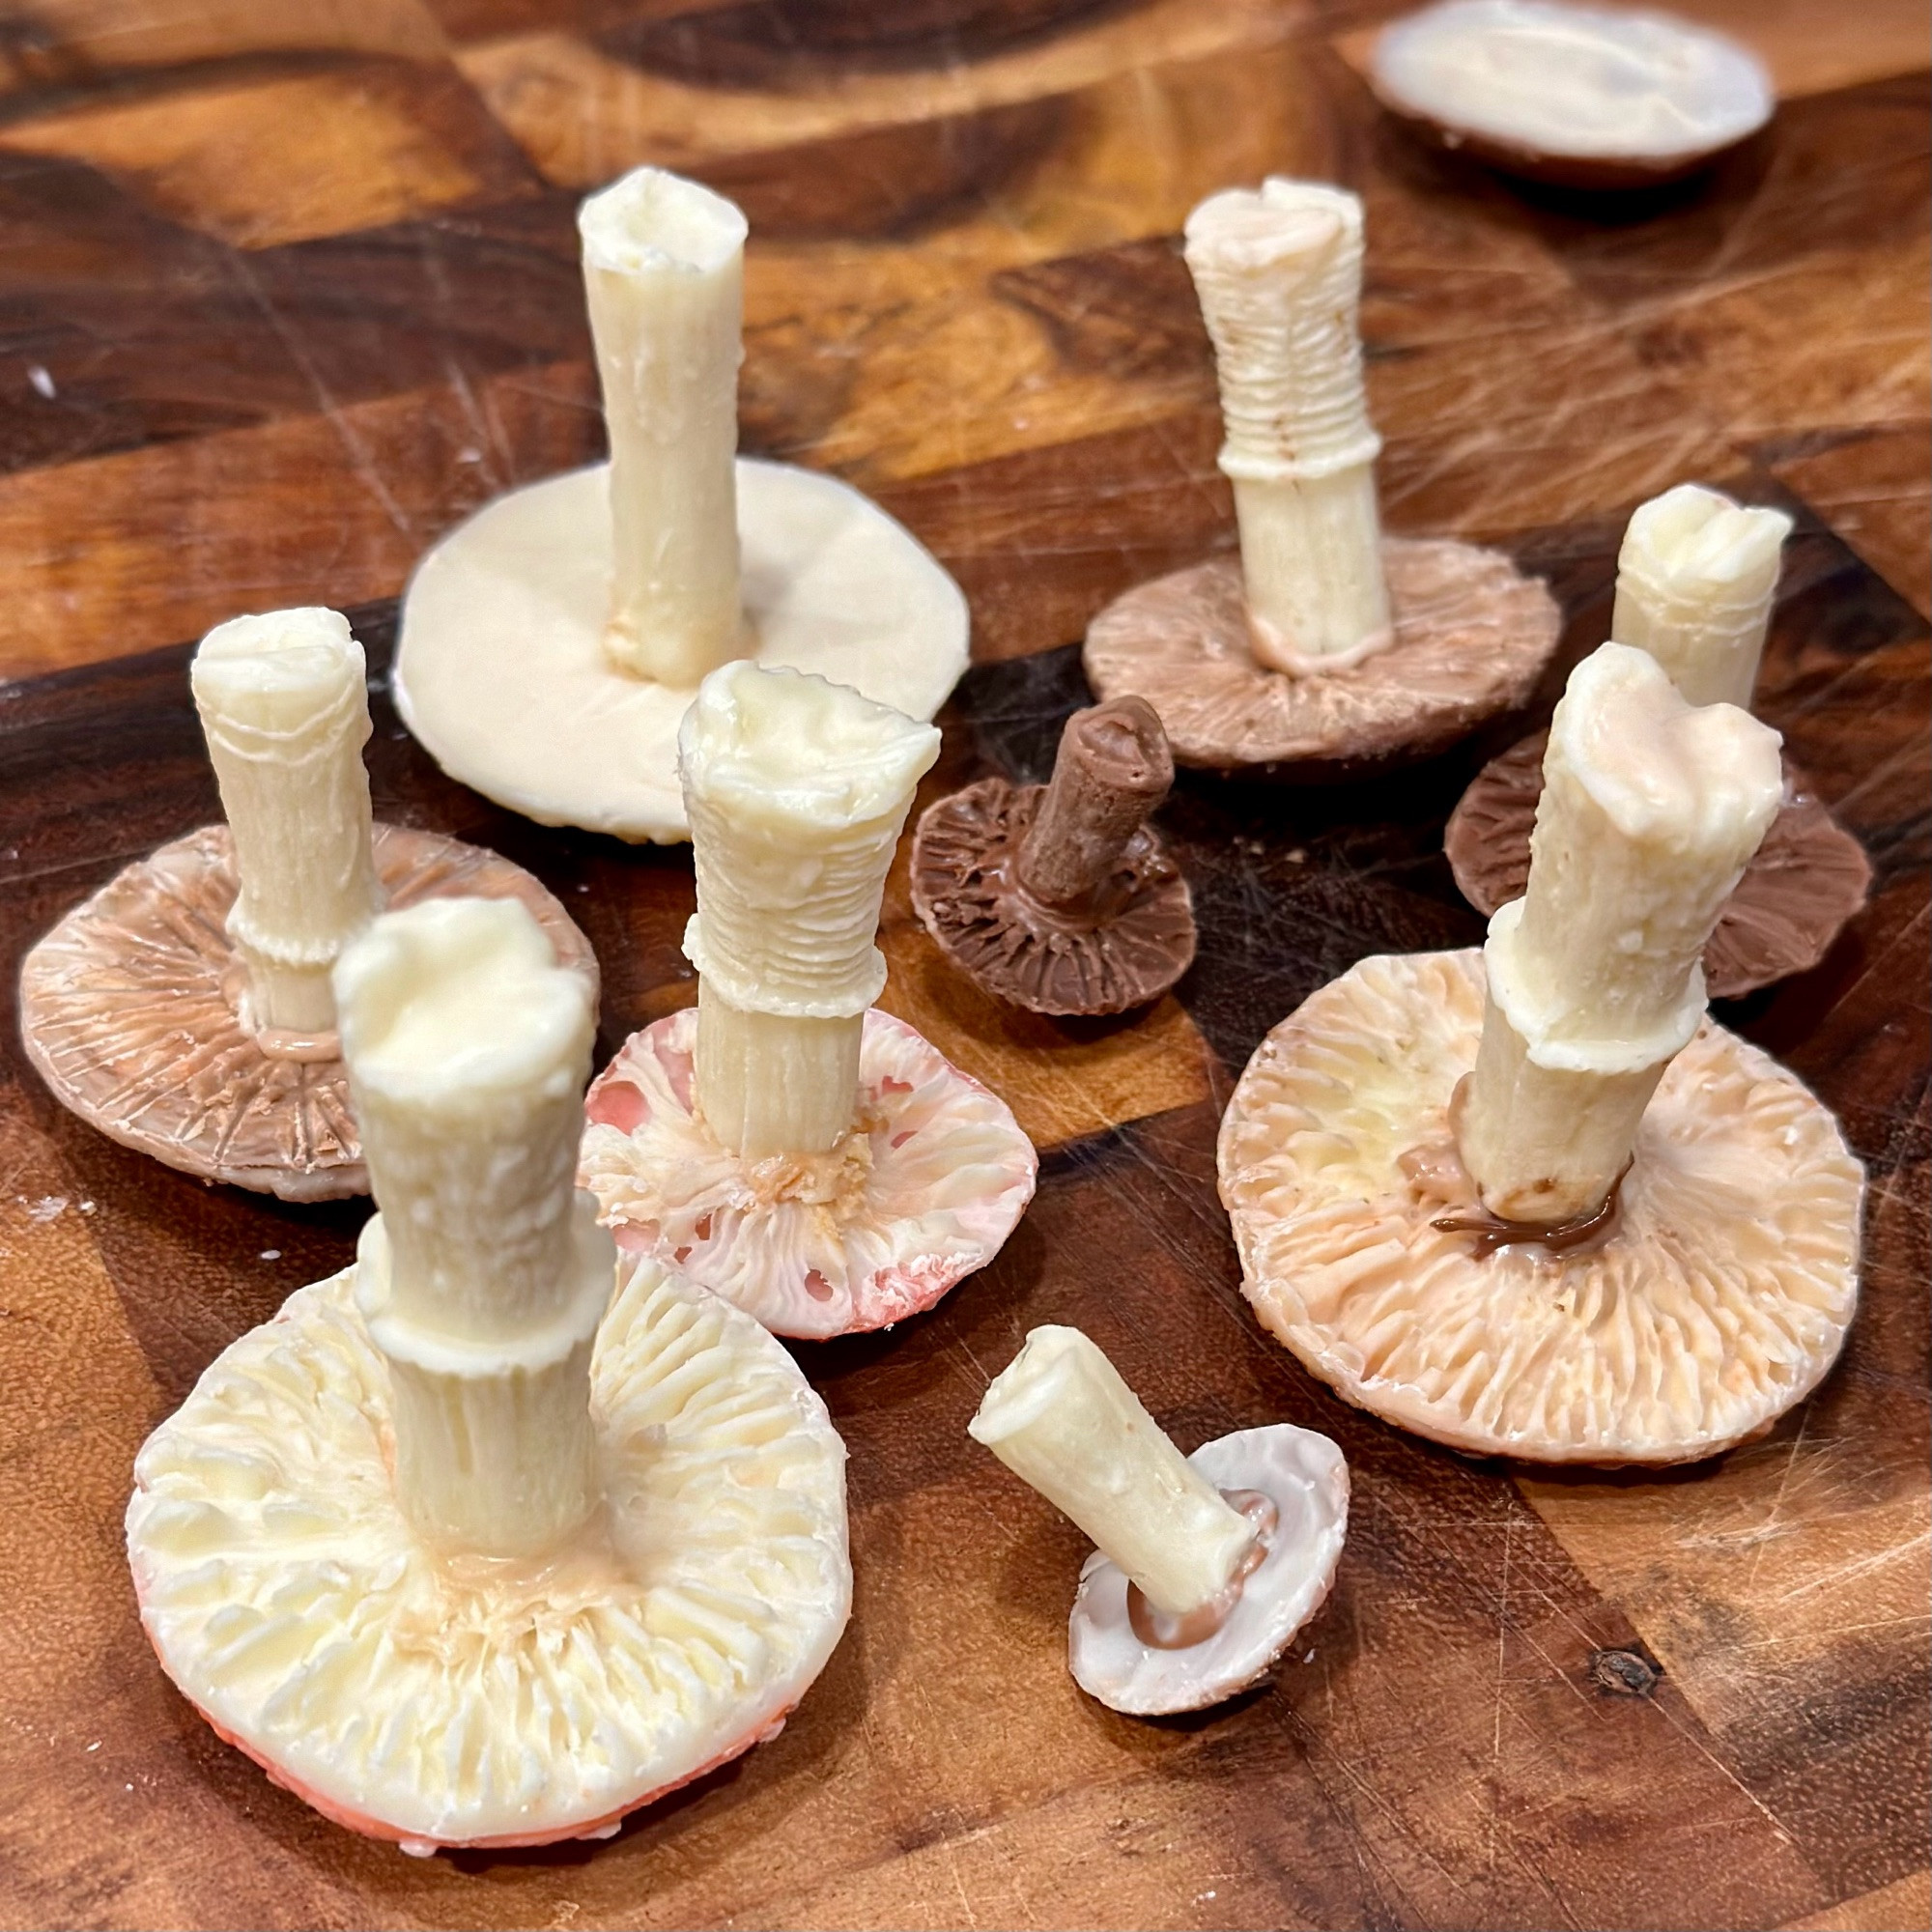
x: 926, y: 1188
x: 1128, y: 948
x: 440, y: 1700
x: 501, y: 670
x: 1721, y: 1298
x: 1471, y: 635
x: 1305, y: 1477
x: 1808, y: 879
x: 1580, y: 96
x: 125, y: 1011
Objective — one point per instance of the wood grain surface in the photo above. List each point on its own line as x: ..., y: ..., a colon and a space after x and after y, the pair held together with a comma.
x: 288, y: 287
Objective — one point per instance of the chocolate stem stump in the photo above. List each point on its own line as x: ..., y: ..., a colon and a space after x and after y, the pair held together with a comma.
x: 1059, y: 897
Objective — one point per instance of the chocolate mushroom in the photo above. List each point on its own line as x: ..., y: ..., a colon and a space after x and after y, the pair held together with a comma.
x: 1059, y: 897
x: 185, y: 1009
x: 1529, y: 1200
x: 1324, y: 643
x: 1580, y: 96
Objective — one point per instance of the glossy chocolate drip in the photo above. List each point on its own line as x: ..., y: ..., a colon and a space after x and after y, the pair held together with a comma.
x: 1493, y: 1232
x: 1112, y: 769
x: 1160, y: 1631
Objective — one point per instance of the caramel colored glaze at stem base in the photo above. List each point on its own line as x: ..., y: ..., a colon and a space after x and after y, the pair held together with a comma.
x: 1472, y: 636
x: 1127, y: 945
x: 1721, y: 1301
x: 127, y: 1011
x: 1809, y: 878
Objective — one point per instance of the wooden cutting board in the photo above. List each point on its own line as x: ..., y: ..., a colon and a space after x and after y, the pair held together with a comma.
x: 287, y: 289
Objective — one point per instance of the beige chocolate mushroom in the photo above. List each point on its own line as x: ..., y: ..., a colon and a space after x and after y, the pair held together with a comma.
x: 1208, y: 1564
x: 787, y: 1145
x: 1529, y: 1200
x: 460, y: 1549
x: 1579, y: 96
x: 551, y: 644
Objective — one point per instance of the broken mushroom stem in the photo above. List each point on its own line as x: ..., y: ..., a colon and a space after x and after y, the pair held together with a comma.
x: 664, y: 272
x: 797, y: 790
x: 1278, y: 271
x: 483, y: 1276
x: 1651, y: 810
x: 1060, y: 1417
x: 285, y: 711
x: 1113, y: 768
x: 1697, y: 576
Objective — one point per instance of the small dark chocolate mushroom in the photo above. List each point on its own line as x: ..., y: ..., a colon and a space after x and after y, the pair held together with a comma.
x: 1059, y: 897
x: 1806, y: 881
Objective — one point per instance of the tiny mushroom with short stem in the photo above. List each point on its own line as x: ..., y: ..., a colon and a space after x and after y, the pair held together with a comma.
x: 1697, y: 578
x: 426, y: 1545
x: 186, y: 1009
x: 551, y: 644
x: 1206, y: 1565
x: 1580, y: 96
x: 1568, y: 1218
x: 1324, y: 643
x: 1059, y: 897
x: 787, y: 1145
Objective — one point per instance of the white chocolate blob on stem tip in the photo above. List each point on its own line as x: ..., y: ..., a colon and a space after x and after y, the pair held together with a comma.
x: 1060, y: 1417
x: 284, y: 707
x: 484, y: 1276
x: 1279, y: 275
x: 664, y: 264
x: 1651, y: 810
x: 797, y: 790
x: 1697, y: 578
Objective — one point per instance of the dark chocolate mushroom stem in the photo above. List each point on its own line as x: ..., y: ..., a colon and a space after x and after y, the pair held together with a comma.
x: 1112, y: 769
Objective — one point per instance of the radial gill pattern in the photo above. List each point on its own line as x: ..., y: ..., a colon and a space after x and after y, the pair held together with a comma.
x: 1473, y: 634
x: 128, y: 1009
x: 447, y: 1700
x: 932, y: 1179
x: 1721, y: 1299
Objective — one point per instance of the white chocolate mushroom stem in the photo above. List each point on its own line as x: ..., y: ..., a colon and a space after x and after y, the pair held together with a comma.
x: 484, y: 1276
x: 797, y: 790
x: 1279, y: 275
x: 1060, y: 1417
x: 285, y: 711
x: 1651, y: 810
x: 664, y: 267
x: 1695, y: 580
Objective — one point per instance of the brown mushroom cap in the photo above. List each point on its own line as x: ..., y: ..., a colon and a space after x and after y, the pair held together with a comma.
x: 127, y: 1011
x: 1471, y: 635
x: 1809, y: 877
x: 1720, y: 1299
x: 1061, y: 898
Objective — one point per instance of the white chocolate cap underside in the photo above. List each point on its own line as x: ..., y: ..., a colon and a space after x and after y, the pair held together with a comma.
x: 927, y: 1187
x: 1306, y: 1478
x: 466, y: 1701
x: 501, y: 670
x: 1721, y: 1301
x: 1577, y: 81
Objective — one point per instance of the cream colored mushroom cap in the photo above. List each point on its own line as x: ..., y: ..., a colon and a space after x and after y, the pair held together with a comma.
x: 1721, y: 1299
x: 458, y: 1700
